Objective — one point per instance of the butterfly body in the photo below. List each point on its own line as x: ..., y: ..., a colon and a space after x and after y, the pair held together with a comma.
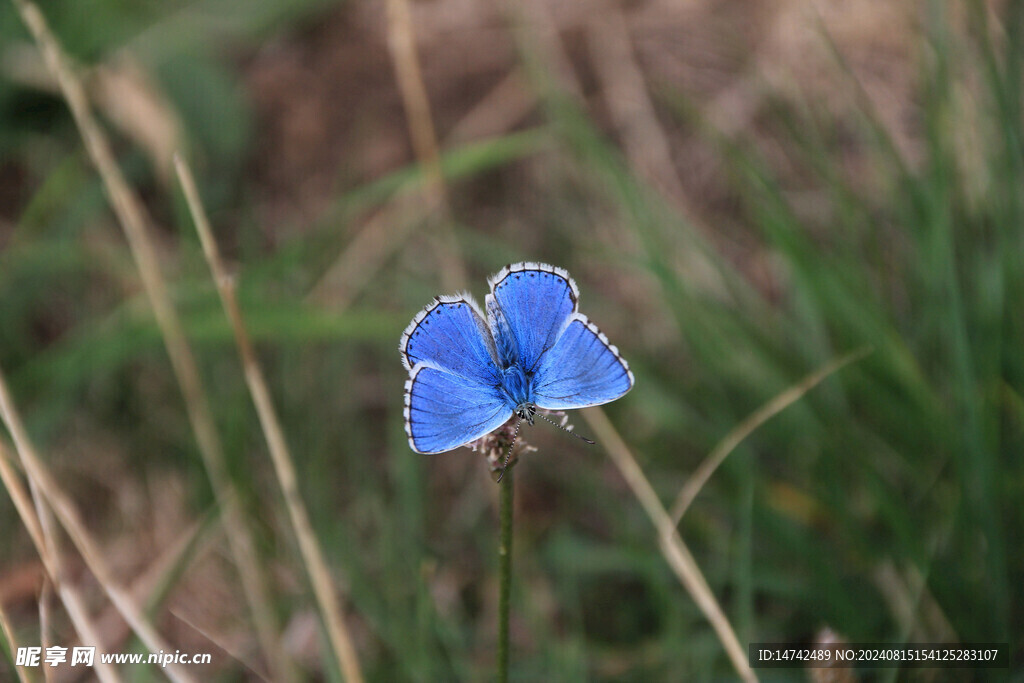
x: 468, y: 374
x: 515, y: 387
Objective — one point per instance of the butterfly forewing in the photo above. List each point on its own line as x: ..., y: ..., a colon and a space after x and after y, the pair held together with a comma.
x: 451, y: 334
x: 537, y: 301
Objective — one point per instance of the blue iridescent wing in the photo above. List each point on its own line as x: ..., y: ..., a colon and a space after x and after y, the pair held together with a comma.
x: 535, y: 301
x: 582, y: 369
x: 451, y: 335
x: 444, y: 411
x: 452, y: 396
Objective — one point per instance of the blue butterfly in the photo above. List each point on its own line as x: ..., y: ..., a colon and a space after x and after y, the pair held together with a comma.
x: 469, y: 374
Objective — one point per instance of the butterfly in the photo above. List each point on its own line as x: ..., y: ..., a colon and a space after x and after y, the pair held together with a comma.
x: 468, y: 374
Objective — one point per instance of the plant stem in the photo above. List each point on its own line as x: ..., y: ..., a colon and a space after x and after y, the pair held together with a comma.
x: 505, y: 571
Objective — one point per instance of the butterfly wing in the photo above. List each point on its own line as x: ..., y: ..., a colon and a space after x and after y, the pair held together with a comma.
x: 444, y: 411
x: 535, y: 302
x: 451, y: 397
x: 581, y: 369
x: 452, y: 335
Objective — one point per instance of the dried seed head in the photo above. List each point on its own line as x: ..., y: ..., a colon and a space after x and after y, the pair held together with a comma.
x: 495, y: 445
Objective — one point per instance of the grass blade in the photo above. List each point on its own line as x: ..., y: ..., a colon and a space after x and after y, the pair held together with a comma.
x: 71, y: 520
x: 284, y: 468
x: 744, y: 429
x: 671, y: 544
x: 133, y: 220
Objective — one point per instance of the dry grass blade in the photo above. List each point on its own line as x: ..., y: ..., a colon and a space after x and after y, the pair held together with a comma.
x: 625, y: 93
x: 132, y: 217
x: 496, y: 113
x: 226, y: 651
x: 382, y: 235
x: 69, y: 518
x: 70, y: 596
x: 5, y: 628
x: 744, y: 429
x: 540, y: 33
x: 913, y: 607
x: 388, y: 229
x: 76, y: 608
x: 934, y: 619
x: 22, y: 503
x: 122, y: 89
x: 284, y: 468
x: 46, y: 545
x: 672, y: 546
x: 45, y: 597
x: 150, y: 587
x: 162, y: 575
x: 402, y: 42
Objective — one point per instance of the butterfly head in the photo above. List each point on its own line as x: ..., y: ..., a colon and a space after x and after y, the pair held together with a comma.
x: 526, y: 411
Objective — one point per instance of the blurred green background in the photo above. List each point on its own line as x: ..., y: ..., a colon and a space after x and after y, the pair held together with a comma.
x: 743, y: 192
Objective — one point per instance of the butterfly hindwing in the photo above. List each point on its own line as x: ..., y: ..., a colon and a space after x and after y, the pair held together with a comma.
x: 451, y: 334
x: 536, y: 302
x: 581, y: 369
x: 444, y: 411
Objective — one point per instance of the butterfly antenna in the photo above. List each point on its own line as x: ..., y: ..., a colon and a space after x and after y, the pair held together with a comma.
x: 567, y: 431
x: 508, y: 455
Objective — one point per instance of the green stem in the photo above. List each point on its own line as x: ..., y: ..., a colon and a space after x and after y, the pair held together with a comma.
x: 505, y: 572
